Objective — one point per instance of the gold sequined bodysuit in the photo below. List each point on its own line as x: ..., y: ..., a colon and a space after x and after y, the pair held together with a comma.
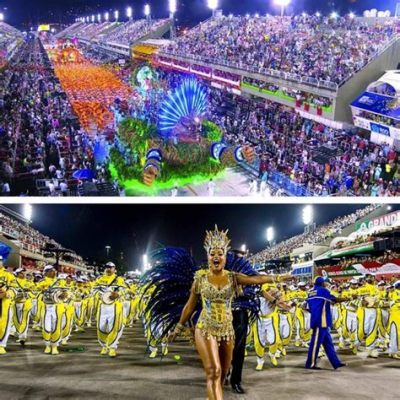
x: 216, y: 315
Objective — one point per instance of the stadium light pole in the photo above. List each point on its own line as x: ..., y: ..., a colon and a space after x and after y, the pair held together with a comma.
x: 93, y: 18
x: 129, y: 12
x: 1, y: 17
x: 172, y: 10
x: 27, y: 212
x: 116, y: 15
x: 243, y: 248
x: 106, y: 16
x: 270, y: 235
x: 147, y: 11
x: 213, y: 5
x: 283, y: 4
x: 98, y: 18
x: 145, y: 262
x: 108, y: 248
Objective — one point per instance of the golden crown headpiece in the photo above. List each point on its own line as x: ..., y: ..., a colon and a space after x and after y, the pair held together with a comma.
x: 217, y: 239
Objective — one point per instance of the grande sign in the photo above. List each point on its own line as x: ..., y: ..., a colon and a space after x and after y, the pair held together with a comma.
x: 387, y: 220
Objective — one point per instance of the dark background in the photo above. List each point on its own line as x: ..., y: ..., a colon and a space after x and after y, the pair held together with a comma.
x: 136, y: 229
x: 23, y: 13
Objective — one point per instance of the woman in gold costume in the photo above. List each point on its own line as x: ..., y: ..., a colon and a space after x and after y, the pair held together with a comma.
x: 214, y: 333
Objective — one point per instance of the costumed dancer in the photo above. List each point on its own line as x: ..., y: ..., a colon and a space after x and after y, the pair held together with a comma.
x: 6, y: 305
x: 286, y: 312
x: 110, y: 322
x: 216, y: 288
x: 81, y: 299
x: 383, y: 316
x: 69, y: 308
x: 394, y: 322
x: 349, y: 316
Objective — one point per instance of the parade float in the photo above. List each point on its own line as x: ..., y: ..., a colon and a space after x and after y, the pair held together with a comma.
x: 183, y: 148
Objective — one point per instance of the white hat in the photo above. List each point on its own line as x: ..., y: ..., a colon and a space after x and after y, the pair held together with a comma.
x: 354, y: 281
x: 48, y: 268
x: 18, y: 270
x: 301, y: 284
x: 381, y: 283
x: 110, y: 264
x: 63, y: 276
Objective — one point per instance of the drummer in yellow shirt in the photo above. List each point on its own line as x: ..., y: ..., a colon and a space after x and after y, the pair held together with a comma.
x: 394, y: 322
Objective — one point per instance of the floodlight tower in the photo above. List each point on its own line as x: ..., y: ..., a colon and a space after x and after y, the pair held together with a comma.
x: 129, y: 13
x: 172, y: 11
x: 283, y: 4
x: 147, y: 12
x: 1, y: 17
x: 270, y: 236
x: 116, y: 15
x: 107, y: 16
x: 213, y: 6
x: 308, y: 219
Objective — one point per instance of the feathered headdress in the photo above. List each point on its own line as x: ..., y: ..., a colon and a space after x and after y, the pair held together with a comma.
x: 217, y: 240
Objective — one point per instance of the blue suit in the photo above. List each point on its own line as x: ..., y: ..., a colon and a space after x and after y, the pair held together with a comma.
x: 319, y: 302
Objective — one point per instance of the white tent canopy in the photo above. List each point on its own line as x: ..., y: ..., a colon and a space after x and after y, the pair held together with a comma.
x: 391, y: 78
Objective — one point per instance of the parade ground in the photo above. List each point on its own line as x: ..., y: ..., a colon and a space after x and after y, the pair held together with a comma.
x: 79, y: 372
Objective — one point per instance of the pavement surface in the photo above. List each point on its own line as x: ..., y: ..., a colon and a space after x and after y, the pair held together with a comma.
x: 79, y: 372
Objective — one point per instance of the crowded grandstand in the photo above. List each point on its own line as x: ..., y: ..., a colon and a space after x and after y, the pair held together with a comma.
x: 287, y: 107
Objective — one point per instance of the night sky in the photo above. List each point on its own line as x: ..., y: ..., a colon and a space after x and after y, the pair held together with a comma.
x: 32, y: 12
x: 135, y: 229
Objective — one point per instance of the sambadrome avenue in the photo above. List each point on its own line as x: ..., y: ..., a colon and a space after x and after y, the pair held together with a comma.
x: 200, y: 98
x: 199, y: 301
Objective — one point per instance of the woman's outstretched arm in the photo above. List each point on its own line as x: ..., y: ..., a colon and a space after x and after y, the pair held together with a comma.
x: 260, y: 279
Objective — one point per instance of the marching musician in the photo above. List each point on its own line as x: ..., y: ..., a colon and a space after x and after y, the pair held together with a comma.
x: 110, y: 322
x: 367, y: 315
x: 302, y: 316
x: 394, y: 322
x: 52, y: 311
x: 23, y: 305
x: 6, y: 305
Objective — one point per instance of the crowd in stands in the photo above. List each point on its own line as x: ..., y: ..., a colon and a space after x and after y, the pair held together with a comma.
x: 123, y: 33
x: 29, y: 238
x: 289, y: 144
x: 318, y: 47
x: 318, y: 236
x: 40, y: 138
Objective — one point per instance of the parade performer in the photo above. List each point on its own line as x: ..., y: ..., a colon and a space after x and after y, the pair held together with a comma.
x: 6, y: 305
x: 110, y: 322
x: 23, y: 305
x: 319, y: 301
x: 52, y: 297
x: 69, y: 308
x: 367, y: 315
x: 302, y: 316
x: 80, y: 304
x: 394, y: 322
x: 349, y: 316
x: 266, y: 332
x: 216, y: 287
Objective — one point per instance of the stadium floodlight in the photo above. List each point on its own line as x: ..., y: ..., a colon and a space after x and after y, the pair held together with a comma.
x: 230, y: 16
x: 270, y: 234
x: 247, y: 15
x: 147, y: 10
x: 129, y: 12
x: 334, y: 15
x: 212, y: 4
x: 283, y: 4
x: 172, y: 6
x: 352, y: 15
x: 243, y: 248
x: 107, y: 16
x: 1, y: 17
x: 87, y: 19
x: 93, y: 18
x: 304, y: 14
x: 145, y: 262
x: 308, y: 215
x: 257, y: 15
x: 98, y: 17
x: 116, y: 15
x: 318, y: 14
x: 108, y: 248
x: 27, y: 212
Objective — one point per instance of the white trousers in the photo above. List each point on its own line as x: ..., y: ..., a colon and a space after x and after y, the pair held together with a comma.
x: 4, y: 339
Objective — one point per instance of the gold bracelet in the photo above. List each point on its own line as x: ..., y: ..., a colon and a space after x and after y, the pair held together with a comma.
x: 178, y: 328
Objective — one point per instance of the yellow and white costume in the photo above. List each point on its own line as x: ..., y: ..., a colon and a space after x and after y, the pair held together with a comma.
x: 6, y: 306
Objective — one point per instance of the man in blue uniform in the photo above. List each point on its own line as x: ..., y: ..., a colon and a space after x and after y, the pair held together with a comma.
x: 319, y: 302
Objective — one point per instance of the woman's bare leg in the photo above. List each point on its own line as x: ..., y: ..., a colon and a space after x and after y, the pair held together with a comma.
x: 225, y: 356
x: 209, y: 354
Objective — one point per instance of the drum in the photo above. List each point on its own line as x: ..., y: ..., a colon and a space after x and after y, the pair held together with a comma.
x: 370, y: 302
x: 20, y: 295
x: 351, y: 306
x: 106, y: 297
x: 54, y: 296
